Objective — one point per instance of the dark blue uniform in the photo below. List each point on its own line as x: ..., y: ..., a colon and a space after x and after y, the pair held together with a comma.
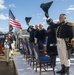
x: 41, y: 38
x: 64, y: 31
x: 36, y: 34
x: 50, y: 43
x: 51, y: 40
x: 31, y: 31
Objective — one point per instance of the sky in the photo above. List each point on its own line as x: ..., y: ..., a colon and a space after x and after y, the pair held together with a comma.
x: 31, y: 8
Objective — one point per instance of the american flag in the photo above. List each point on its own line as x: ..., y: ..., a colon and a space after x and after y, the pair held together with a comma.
x: 13, y: 21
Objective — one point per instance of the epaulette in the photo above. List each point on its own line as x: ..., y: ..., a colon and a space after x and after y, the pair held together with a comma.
x: 72, y: 41
x: 70, y: 23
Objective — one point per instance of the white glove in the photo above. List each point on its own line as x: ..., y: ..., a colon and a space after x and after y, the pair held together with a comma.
x: 35, y: 40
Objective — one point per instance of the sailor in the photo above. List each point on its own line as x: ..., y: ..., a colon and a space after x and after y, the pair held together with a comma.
x: 64, y: 35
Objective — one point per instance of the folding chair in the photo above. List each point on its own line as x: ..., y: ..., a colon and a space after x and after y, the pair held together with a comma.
x: 42, y: 60
x: 27, y: 53
x: 32, y: 56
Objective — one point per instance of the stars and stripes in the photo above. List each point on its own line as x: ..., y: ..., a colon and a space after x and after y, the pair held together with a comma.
x: 13, y: 21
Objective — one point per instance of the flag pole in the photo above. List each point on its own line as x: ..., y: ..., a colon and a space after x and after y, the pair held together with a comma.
x: 8, y: 20
x: 10, y: 26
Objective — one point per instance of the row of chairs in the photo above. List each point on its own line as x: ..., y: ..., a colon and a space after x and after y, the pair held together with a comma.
x: 33, y: 55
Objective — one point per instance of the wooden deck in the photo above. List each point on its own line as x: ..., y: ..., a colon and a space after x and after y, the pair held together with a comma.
x: 23, y: 68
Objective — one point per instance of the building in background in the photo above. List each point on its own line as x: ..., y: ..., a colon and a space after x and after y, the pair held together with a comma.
x: 25, y: 33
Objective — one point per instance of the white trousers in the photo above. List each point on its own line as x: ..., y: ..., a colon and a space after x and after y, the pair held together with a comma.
x: 13, y: 45
x: 7, y: 54
x: 62, y: 52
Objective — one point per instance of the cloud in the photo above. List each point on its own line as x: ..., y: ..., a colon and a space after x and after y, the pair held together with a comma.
x: 11, y: 5
x: 39, y: 14
x: 71, y: 7
x: 70, y: 17
x: 2, y: 29
x: 56, y: 20
x: 3, y: 17
x: 44, y: 18
x: 44, y: 23
x: 2, y: 6
x: 68, y: 12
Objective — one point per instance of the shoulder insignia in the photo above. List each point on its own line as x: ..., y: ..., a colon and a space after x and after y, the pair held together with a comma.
x: 70, y: 23
x: 72, y: 41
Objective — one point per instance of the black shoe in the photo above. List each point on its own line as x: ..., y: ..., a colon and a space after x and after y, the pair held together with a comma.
x: 66, y: 71
x: 62, y: 70
x: 7, y: 63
